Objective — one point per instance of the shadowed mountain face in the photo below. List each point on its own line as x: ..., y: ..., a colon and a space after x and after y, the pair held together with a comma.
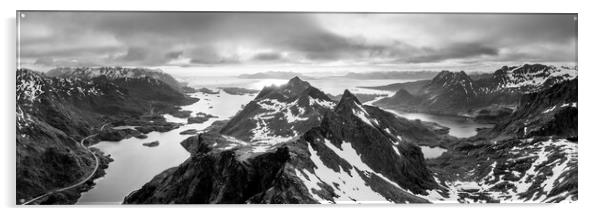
x: 367, y: 137
x: 279, y: 113
x: 551, y: 112
x: 455, y: 93
x: 352, y: 153
x: 55, y: 113
x: 449, y: 90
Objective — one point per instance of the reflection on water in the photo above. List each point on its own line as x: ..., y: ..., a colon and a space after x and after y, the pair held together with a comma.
x: 458, y: 126
x: 136, y: 164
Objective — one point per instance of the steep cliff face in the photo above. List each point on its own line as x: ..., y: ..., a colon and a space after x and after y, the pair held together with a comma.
x: 221, y: 176
x: 293, y: 173
x: 363, y: 138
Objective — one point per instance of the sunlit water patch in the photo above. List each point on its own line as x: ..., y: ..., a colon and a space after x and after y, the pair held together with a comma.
x: 432, y: 152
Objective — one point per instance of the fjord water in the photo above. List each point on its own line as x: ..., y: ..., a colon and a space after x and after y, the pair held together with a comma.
x: 135, y: 164
x: 458, y: 126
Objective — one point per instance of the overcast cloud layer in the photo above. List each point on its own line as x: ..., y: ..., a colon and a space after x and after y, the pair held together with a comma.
x: 294, y: 40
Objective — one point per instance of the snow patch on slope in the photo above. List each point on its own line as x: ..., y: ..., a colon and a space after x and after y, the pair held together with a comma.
x: 350, y: 187
x: 560, y: 155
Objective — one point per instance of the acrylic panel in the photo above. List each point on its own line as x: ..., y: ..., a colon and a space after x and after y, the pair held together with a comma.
x: 156, y: 107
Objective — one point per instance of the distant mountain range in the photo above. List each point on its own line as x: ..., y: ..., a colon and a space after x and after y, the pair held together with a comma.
x: 113, y: 73
x: 456, y: 93
x: 410, y: 75
x: 274, y: 75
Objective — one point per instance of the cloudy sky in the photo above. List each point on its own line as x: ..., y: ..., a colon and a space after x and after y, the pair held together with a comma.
x: 303, y: 42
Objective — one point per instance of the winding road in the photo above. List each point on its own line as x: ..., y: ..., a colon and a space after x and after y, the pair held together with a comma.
x: 97, y: 162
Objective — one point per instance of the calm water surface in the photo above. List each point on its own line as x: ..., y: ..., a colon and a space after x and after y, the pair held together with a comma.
x: 136, y: 164
x: 458, y: 126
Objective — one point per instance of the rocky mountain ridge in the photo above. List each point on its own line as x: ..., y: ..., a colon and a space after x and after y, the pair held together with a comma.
x: 113, y: 73
x: 456, y: 93
x: 279, y: 113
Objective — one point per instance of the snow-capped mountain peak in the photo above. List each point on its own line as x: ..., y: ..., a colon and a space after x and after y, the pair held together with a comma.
x: 280, y: 113
x: 533, y: 76
x: 29, y: 86
x: 113, y: 73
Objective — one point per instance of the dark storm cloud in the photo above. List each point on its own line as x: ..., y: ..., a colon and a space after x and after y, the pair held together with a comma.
x: 152, y: 39
x: 213, y: 61
x: 209, y: 56
x: 134, y: 54
x: 329, y: 46
x: 456, y: 51
x: 268, y: 56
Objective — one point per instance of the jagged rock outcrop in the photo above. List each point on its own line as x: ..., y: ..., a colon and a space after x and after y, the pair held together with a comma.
x: 376, y: 139
x: 279, y: 113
